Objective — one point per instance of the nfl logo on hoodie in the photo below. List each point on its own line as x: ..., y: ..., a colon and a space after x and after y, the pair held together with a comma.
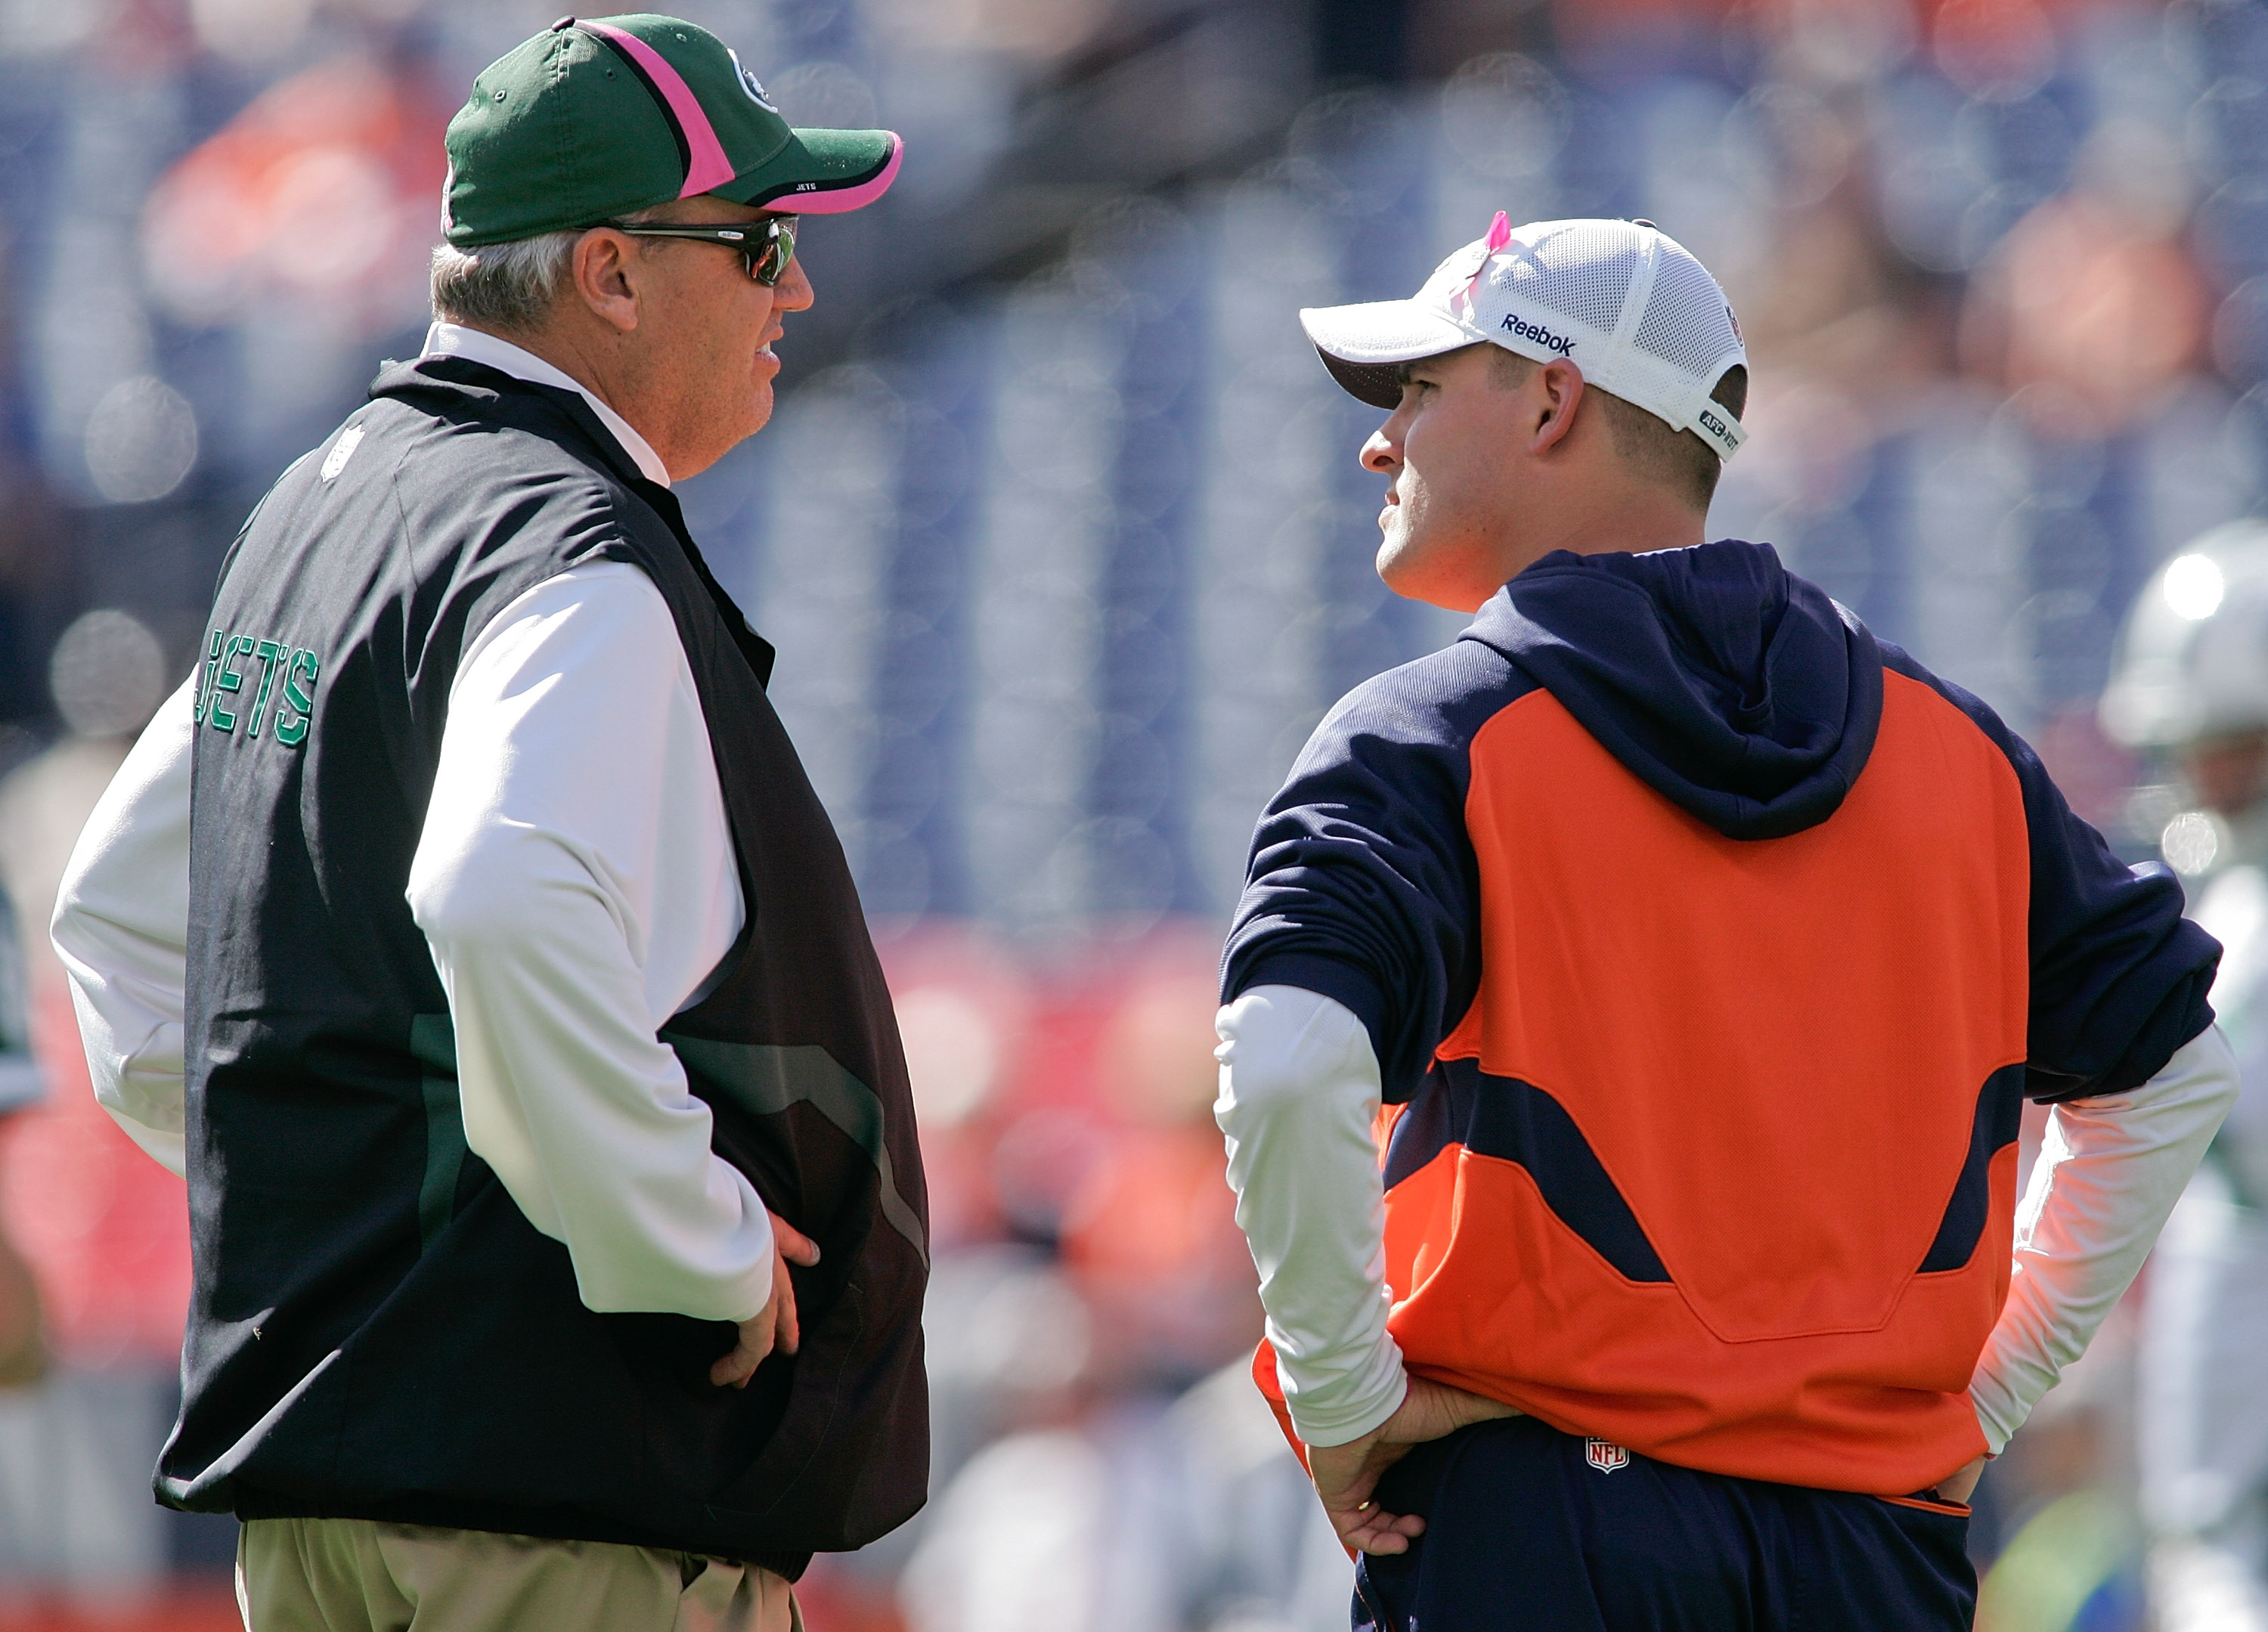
x: 1605, y: 1457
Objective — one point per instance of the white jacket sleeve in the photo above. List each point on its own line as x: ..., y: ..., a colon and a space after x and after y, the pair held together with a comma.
x: 545, y: 855
x: 121, y: 927
x: 2108, y: 1173
x: 1298, y: 1093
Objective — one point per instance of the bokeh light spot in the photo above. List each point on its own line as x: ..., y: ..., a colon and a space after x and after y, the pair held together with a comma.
x: 2194, y: 587
x: 2190, y: 842
x: 141, y: 440
x: 108, y: 674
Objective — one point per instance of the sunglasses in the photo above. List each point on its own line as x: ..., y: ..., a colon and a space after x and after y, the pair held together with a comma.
x: 767, y: 246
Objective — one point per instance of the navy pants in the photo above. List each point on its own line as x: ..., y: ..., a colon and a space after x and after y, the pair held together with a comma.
x: 1527, y: 1527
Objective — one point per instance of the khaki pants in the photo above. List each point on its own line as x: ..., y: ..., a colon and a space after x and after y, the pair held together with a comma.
x: 348, y: 1574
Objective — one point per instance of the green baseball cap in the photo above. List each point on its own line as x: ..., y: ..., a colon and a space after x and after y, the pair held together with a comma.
x: 596, y: 117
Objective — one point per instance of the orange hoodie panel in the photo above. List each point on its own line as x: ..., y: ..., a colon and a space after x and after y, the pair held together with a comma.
x: 1730, y: 1026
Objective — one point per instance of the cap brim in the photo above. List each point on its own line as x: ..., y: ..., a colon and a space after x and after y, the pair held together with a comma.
x: 821, y: 173
x: 1364, y: 346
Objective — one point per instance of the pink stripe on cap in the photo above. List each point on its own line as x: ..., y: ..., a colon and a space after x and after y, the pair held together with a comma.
x: 710, y: 168
x: 818, y: 203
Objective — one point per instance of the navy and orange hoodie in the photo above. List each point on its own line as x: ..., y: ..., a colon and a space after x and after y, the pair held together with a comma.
x: 1708, y: 947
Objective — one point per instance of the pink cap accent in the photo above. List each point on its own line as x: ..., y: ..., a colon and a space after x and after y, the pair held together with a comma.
x: 1499, y: 234
x: 710, y: 168
x: 821, y: 202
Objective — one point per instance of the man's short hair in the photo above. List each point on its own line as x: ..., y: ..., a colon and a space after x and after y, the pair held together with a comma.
x: 1650, y: 446
x: 510, y: 286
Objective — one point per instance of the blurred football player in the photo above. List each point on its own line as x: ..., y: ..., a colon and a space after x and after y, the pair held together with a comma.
x: 2191, y: 682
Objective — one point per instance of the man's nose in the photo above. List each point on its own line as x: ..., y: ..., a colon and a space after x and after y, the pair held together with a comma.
x: 1381, y: 455
x: 793, y: 292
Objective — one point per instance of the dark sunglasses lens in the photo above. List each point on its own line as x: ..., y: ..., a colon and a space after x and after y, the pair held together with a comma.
x: 768, y: 260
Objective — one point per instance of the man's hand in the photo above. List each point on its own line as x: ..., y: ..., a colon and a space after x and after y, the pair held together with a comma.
x: 1346, y: 1475
x: 775, y: 1322
x: 1960, y: 1486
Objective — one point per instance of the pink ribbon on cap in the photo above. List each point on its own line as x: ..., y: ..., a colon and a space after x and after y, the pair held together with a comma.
x: 1499, y: 234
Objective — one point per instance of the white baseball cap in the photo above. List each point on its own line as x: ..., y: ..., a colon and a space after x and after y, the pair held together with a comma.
x: 1622, y: 300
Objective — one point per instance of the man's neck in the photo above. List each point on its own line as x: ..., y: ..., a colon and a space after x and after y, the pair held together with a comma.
x: 559, y: 351
x: 562, y: 360
x: 1648, y: 519
x: 602, y: 361
x: 1636, y: 529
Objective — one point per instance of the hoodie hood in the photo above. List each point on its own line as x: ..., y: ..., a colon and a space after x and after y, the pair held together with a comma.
x: 1724, y: 683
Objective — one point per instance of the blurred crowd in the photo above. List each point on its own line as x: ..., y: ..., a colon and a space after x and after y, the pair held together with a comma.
x: 1060, y: 534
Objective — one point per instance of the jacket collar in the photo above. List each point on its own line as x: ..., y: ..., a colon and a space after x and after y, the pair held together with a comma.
x: 480, y: 387
x: 478, y: 346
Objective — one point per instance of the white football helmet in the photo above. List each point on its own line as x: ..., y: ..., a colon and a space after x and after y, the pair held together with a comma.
x: 2192, y: 662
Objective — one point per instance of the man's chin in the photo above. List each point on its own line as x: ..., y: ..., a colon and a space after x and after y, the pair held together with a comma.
x: 1402, y: 570
x: 734, y: 422
x: 1412, y: 581
x: 1393, y: 560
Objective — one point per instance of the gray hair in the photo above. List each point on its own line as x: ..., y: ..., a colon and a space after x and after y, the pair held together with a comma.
x: 510, y: 286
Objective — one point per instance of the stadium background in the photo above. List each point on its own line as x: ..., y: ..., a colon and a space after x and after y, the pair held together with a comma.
x: 1059, y: 531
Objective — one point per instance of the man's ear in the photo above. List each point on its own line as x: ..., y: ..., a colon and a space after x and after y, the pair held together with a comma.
x: 1558, y: 388
x: 603, y: 268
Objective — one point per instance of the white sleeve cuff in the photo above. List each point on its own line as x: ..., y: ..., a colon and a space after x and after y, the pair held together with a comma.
x: 1298, y: 1093
x: 169, y: 1150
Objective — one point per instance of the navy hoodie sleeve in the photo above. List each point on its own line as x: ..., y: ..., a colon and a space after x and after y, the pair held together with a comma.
x: 1363, y: 885
x: 2118, y: 977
